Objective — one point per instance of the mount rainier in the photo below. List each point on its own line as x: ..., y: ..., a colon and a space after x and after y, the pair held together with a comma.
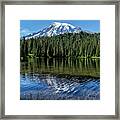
x: 56, y: 28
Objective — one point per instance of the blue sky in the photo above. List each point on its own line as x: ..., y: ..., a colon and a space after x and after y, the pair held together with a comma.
x: 30, y: 26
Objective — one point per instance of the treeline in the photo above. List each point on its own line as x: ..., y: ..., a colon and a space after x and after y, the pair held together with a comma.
x: 81, y: 44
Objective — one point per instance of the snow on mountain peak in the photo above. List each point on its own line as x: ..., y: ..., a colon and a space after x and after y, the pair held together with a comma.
x: 56, y: 28
x: 56, y: 24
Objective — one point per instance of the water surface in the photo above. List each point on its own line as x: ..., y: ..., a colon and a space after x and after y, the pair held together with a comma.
x: 60, y: 79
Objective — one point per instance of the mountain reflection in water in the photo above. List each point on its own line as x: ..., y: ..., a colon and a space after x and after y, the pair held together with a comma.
x: 60, y: 79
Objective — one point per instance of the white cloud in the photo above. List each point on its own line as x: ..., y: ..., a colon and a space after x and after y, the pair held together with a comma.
x: 24, y: 32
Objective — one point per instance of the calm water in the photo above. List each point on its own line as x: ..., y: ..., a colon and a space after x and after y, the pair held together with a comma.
x: 60, y: 79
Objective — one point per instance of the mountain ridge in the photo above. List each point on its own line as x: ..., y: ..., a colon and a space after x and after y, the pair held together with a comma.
x: 56, y: 28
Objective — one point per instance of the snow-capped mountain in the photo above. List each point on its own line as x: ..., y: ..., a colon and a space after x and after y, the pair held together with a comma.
x: 56, y: 28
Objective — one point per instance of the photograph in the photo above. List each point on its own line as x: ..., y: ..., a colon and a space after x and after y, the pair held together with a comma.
x: 59, y: 59
x: 62, y: 55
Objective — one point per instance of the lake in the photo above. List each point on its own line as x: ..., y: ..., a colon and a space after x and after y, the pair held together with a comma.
x: 60, y: 79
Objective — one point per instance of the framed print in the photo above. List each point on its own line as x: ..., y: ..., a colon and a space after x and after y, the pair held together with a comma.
x: 59, y: 59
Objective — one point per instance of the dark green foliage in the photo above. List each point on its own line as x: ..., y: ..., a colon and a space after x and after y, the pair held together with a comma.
x: 74, y: 45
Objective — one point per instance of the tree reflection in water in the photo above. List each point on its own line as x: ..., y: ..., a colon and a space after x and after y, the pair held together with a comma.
x: 60, y: 79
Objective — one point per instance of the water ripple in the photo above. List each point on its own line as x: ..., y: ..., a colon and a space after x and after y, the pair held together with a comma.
x: 50, y: 87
